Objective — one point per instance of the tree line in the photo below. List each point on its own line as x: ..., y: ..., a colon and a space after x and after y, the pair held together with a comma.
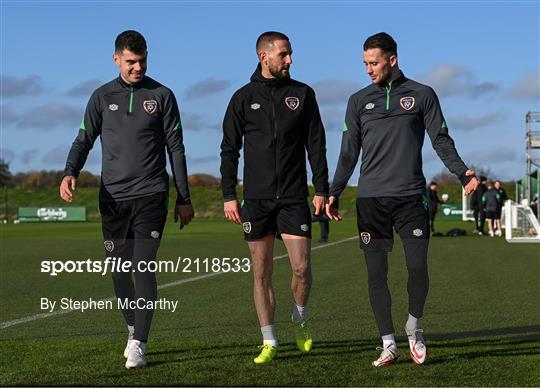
x: 52, y: 178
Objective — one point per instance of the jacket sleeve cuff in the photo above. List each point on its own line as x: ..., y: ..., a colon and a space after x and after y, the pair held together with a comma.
x: 229, y: 197
x: 183, y: 201
x: 465, y: 179
x: 70, y: 173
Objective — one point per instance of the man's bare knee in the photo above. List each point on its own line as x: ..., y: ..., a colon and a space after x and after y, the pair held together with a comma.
x: 302, y: 270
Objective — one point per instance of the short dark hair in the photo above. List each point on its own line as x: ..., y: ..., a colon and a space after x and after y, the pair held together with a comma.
x: 382, y: 41
x: 269, y: 37
x: 130, y: 40
x: 432, y: 183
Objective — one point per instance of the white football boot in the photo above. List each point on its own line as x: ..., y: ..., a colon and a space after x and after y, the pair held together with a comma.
x: 388, y: 356
x: 417, y: 346
x: 131, y: 332
x: 135, y: 355
x: 126, y: 350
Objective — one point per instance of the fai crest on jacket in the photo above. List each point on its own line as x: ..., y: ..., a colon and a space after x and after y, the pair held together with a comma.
x: 292, y: 102
x: 150, y: 106
x: 109, y: 245
x: 407, y: 103
x: 366, y: 237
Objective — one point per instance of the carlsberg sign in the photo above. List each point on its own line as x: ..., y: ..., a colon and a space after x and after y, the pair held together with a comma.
x: 34, y: 214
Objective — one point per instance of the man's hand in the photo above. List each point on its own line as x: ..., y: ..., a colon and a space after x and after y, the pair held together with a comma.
x: 473, y: 183
x: 67, y: 186
x: 331, y: 210
x: 232, y: 211
x: 185, y: 213
x: 318, y: 203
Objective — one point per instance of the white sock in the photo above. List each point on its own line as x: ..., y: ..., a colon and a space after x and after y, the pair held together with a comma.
x: 388, y: 340
x: 269, y: 335
x: 131, y: 331
x: 299, y: 313
x: 413, y: 323
x: 141, y: 345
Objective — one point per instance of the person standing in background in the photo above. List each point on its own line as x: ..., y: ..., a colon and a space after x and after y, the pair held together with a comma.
x: 433, y: 204
x: 477, y: 206
x: 492, y: 203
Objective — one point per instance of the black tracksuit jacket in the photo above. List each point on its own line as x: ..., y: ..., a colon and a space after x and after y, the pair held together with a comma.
x: 276, y: 121
x: 492, y: 200
x: 135, y: 123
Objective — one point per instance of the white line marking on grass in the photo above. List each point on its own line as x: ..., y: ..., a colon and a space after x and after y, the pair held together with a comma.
x: 40, y: 316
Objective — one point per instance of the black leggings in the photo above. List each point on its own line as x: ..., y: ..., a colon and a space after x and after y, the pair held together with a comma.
x: 479, y: 219
x: 132, y: 231
x: 417, y: 285
x: 144, y: 289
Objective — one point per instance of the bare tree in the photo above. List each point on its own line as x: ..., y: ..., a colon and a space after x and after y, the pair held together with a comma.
x: 444, y: 177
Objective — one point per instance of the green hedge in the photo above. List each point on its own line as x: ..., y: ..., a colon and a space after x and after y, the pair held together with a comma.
x: 207, y: 201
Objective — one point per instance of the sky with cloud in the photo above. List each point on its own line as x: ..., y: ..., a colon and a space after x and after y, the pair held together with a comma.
x: 482, y: 58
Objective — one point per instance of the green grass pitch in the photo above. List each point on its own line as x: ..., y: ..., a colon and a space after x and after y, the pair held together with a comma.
x: 482, y: 321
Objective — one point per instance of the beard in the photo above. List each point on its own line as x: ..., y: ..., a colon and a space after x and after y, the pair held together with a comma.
x: 386, y: 76
x: 278, y: 73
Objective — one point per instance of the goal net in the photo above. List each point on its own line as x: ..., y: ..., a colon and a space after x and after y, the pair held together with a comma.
x: 521, y: 225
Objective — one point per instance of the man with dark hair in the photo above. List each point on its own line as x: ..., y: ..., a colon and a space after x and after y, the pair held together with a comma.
x: 388, y: 120
x: 382, y: 41
x: 268, y: 38
x: 132, y: 41
x: 136, y: 118
x: 276, y: 119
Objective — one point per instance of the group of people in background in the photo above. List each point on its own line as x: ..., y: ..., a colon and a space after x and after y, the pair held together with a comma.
x: 486, y: 202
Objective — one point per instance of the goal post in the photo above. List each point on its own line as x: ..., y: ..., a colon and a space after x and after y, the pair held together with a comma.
x: 521, y: 225
x: 468, y: 214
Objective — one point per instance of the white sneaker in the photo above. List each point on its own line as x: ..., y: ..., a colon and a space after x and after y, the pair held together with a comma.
x: 135, y: 356
x: 491, y: 233
x: 417, y: 346
x: 388, y: 356
x: 131, y: 330
x: 498, y: 233
x: 126, y: 350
